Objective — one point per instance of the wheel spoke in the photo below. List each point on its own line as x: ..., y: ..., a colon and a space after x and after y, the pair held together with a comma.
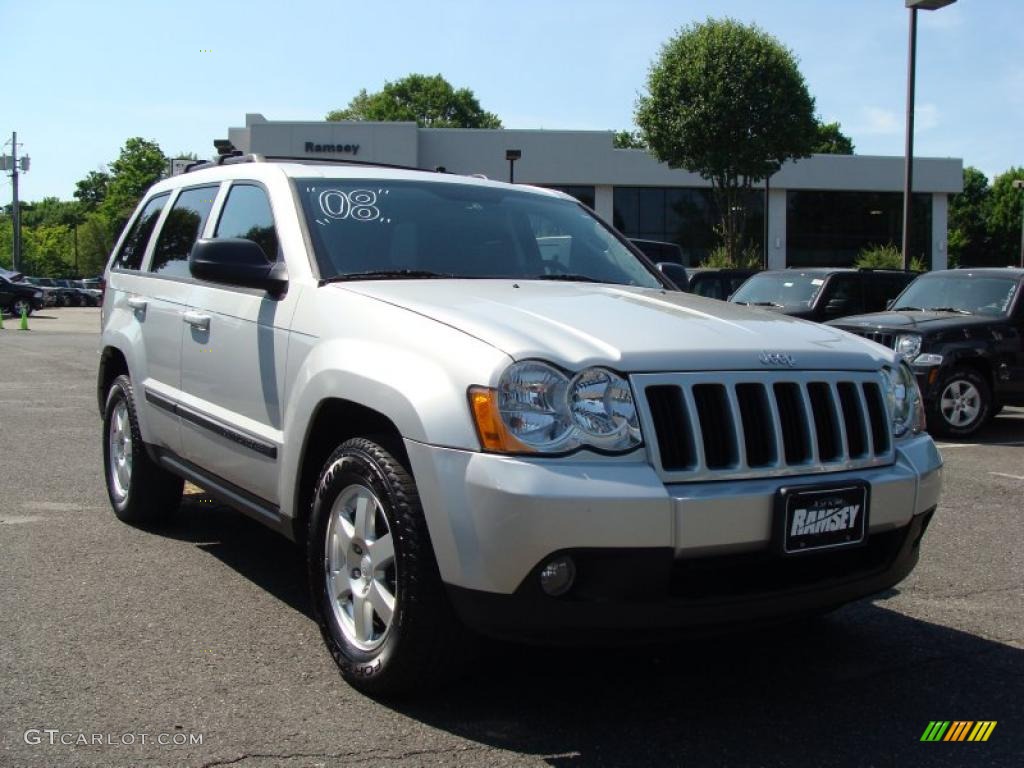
x: 341, y: 588
x: 123, y: 474
x: 382, y: 600
x: 365, y: 512
x: 362, y: 617
x: 382, y: 552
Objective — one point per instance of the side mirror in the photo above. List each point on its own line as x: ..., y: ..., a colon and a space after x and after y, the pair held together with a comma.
x: 676, y: 273
x: 237, y: 261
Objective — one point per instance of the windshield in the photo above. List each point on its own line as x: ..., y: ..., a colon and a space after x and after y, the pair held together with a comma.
x: 374, y: 228
x: 780, y: 290
x: 976, y: 295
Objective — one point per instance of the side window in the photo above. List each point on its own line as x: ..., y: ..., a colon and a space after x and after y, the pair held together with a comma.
x: 134, y: 246
x: 180, y: 231
x: 711, y: 287
x: 845, y: 296
x: 247, y: 214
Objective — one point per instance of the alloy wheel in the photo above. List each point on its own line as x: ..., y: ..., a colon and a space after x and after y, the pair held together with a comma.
x: 361, y: 571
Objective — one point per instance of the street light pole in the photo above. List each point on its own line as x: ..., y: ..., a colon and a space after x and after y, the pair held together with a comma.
x: 767, y: 190
x: 1019, y: 184
x: 908, y: 158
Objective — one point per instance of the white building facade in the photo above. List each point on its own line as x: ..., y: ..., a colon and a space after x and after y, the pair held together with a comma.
x: 822, y: 210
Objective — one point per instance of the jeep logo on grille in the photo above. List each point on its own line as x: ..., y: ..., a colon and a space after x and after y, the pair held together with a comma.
x: 777, y: 358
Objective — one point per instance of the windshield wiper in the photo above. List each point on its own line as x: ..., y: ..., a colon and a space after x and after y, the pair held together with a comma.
x: 387, y: 274
x: 949, y: 309
x: 760, y: 304
x: 570, y: 278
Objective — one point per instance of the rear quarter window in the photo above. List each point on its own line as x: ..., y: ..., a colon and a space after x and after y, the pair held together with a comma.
x: 134, y: 246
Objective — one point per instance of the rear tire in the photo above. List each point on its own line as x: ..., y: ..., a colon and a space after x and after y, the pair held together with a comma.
x: 376, y: 590
x: 140, y: 491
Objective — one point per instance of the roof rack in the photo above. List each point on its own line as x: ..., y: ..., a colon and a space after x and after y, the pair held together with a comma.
x: 236, y: 156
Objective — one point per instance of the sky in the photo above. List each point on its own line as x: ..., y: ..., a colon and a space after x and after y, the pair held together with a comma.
x: 82, y: 77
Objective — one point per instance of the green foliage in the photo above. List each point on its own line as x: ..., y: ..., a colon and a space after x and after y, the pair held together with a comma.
x: 428, y: 100
x: 887, y: 257
x: 831, y: 140
x: 68, y: 237
x: 750, y: 257
x: 1003, y: 220
x: 968, y: 239
x: 140, y: 165
x: 727, y: 101
x: 92, y: 190
x: 628, y: 140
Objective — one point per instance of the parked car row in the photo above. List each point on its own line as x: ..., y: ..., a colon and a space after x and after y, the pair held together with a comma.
x: 961, y: 331
x: 18, y: 292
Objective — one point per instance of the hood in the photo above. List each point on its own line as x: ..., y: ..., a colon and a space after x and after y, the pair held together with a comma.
x: 629, y: 329
x: 913, y: 322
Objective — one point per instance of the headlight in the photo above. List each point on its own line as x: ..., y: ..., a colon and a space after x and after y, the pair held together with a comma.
x: 908, y: 345
x: 904, y: 400
x: 538, y: 409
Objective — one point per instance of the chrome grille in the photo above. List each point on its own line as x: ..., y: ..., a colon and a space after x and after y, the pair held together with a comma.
x: 885, y: 338
x: 746, y: 424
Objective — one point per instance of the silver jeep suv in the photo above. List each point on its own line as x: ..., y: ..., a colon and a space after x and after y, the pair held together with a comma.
x: 481, y: 410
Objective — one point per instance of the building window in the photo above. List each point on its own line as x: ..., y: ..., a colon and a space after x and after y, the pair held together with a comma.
x: 684, y: 216
x: 829, y: 229
x: 581, y: 192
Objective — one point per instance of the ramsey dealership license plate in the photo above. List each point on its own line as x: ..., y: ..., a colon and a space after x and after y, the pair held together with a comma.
x: 814, y: 518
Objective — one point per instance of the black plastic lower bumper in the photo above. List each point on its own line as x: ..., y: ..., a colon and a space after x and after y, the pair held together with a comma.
x: 651, y: 591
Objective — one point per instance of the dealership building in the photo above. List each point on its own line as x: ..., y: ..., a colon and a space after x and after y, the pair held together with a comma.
x: 822, y: 210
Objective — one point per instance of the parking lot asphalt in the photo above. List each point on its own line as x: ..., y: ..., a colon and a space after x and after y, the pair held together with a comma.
x: 202, y: 629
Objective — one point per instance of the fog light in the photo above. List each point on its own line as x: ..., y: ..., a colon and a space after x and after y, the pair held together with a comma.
x: 557, y: 577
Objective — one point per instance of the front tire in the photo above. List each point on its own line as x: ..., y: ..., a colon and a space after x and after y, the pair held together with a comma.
x: 376, y: 590
x: 140, y: 491
x: 963, y: 406
x: 19, y: 305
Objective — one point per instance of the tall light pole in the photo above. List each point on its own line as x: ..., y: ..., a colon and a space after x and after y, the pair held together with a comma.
x: 908, y: 158
x: 1019, y: 184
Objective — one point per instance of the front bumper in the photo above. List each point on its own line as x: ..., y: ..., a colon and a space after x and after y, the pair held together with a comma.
x: 495, y: 520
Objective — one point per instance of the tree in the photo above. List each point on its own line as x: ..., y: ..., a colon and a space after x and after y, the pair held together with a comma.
x: 140, y: 165
x: 967, y: 241
x: 628, y: 140
x: 428, y: 100
x: 727, y: 101
x: 1004, y: 218
x: 92, y: 190
x: 831, y: 140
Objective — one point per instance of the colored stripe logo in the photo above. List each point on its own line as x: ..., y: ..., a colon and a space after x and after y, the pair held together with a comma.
x: 958, y: 730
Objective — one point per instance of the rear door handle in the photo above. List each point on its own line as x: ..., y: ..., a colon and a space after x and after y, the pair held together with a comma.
x: 197, y: 320
x: 137, y: 302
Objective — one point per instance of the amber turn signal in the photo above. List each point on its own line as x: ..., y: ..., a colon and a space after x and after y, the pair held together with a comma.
x: 494, y: 436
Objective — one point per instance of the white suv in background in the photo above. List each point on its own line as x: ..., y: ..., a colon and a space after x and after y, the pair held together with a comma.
x: 480, y: 408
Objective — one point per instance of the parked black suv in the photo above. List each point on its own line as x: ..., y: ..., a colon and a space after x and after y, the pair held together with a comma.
x: 962, y: 331
x: 718, y: 283
x: 16, y: 296
x: 824, y: 293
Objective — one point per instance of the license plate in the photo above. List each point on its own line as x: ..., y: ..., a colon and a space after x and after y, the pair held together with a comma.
x: 822, y: 517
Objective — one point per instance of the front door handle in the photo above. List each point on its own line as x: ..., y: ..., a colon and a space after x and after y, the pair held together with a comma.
x: 137, y: 302
x: 197, y: 320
